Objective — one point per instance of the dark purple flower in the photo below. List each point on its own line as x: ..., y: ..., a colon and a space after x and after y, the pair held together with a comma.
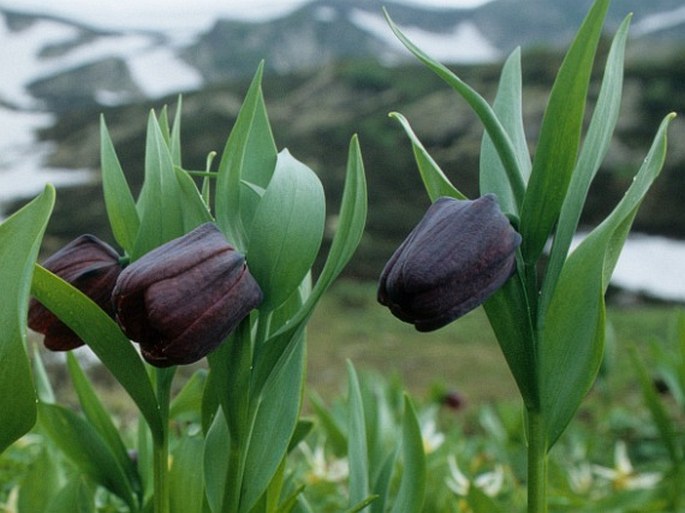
x: 458, y: 255
x: 453, y: 400
x: 182, y: 299
x: 91, y: 266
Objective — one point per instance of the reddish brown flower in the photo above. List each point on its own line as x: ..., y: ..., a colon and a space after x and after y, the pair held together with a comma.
x: 91, y: 266
x: 182, y: 299
x: 458, y: 255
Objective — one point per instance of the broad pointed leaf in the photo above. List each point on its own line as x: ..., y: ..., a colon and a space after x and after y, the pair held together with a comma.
x: 20, y: 238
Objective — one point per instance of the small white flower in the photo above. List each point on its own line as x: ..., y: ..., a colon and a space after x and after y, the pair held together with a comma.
x: 623, y: 476
x: 580, y: 478
x: 432, y: 438
x: 457, y: 481
x: 333, y: 470
x: 490, y: 483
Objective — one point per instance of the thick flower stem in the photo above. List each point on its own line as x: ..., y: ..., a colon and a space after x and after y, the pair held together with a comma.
x: 161, y: 473
x: 537, y: 464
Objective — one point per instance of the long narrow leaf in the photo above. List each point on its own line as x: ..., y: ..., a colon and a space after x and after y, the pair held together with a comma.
x: 434, y: 180
x: 175, y: 136
x: 557, y: 148
x: 357, y: 452
x: 82, y: 444
x: 571, y: 348
x: 491, y: 122
x: 186, y: 479
x: 411, y: 493
x: 511, y: 318
x: 666, y: 427
x: 98, y: 417
x: 275, y: 422
x: 119, y: 203
x: 228, y: 185
x: 77, y: 496
x: 509, y: 109
x: 160, y: 203
x: 20, y: 237
x: 103, y: 336
x: 592, y: 154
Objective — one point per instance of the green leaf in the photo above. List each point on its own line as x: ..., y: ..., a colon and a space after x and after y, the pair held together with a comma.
x: 186, y: 481
x: 352, y: 217
x: 216, y: 455
x: 44, y: 389
x: 331, y: 426
x: 362, y: 504
x: 77, y: 496
x: 286, y: 230
x: 20, y: 237
x: 121, y: 208
x: 666, y: 427
x: 572, y: 337
x: 509, y: 110
x: 259, y: 161
x: 103, y: 336
x: 411, y: 493
x: 41, y: 483
x: 594, y: 150
x: 81, y: 443
x: 98, y: 417
x: 510, y: 316
x: 195, y: 210
x: 160, y: 204
x: 175, y: 136
x: 493, y: 126
x: 435, y: 181
x: 557, y: 147
x: 357, y: 452
x: 275, y: 422
x: 230, y: 173
x: 186, y: 404
x: 303, y: 428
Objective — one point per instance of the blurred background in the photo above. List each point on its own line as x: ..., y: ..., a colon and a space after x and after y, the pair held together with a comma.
x: 333, y: 68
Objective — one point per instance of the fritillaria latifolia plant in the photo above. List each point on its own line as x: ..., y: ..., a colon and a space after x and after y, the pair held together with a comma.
x: 226, y: 277
x: 546, y: 310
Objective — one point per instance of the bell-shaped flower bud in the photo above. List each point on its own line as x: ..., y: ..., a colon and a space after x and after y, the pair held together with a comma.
x: 182, y: 299
x: 91, y: 266
x: 458, y: 255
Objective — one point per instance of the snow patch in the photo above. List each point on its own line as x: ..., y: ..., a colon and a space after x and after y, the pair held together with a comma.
x: 22, y: 159
x: 660, y: 21
x: 463, y: 44
x: 326, y: 14
x: 653, y: 265
x: 159, y: 72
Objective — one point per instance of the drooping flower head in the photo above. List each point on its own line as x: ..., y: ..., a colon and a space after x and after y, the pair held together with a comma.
x: 182, y: 299
x: 458, y: 255
x: 90, y: 265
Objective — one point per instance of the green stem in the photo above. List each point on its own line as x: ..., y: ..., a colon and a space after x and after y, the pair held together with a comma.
x: 160, y: 480
x: 238, y: 412
x: 163, y: 379
x: 537, y: 463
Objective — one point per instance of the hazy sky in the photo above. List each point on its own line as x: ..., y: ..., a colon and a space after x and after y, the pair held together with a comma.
x: 172, y: 13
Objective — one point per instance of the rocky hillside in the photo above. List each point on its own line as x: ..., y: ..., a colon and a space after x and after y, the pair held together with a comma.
x: 314, y: 115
